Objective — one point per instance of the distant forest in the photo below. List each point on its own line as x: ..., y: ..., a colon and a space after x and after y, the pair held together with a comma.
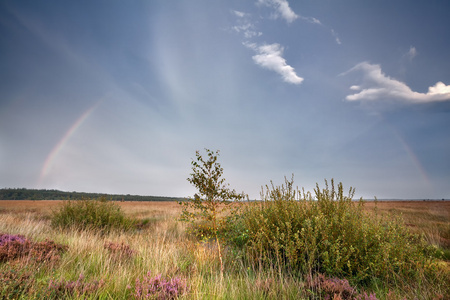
x: 32, y: 194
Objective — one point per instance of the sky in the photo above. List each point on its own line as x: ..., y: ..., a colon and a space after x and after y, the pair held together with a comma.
x: 117, y: 96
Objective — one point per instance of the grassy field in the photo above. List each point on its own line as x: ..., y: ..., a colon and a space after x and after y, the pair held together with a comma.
x: 116, y: 264
x: 432, y: 218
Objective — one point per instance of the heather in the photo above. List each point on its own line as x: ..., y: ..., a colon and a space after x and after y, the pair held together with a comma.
x: 119, y: 251
x: 63, y: 288
x: 9, y: 238
x: 158, y: 287
x: 331, y: 288
x: 18, y: 247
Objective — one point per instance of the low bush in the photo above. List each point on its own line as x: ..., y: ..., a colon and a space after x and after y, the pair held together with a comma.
x: 330, y: 234
x: 100, y: 215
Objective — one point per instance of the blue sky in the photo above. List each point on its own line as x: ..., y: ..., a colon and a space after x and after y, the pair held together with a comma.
x: 116, y: 96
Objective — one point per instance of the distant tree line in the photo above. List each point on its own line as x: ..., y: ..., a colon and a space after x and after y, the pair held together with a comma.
x: 34, y: 194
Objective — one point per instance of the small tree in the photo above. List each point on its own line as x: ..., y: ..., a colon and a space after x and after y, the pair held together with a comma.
x: 214, y: 197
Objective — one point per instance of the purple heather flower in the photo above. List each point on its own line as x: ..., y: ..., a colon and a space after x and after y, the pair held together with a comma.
x: 6, y: 238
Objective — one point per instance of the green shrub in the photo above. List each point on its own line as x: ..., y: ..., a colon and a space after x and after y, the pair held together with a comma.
x: 291, y: 231
x: 100, y: 215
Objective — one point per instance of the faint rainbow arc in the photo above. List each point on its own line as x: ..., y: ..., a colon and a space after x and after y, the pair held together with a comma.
x: 60, y: 145
x: 411, y: 154
x: 415, y: 160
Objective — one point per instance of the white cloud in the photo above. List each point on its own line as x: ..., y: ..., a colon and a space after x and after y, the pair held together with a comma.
x: 377, y: 86
x: 282, y: 8
x: 270, y: 57
x: 439, y: 89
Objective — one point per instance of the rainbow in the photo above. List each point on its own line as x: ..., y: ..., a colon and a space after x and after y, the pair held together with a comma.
x: 415, y: 160
x: 60, y: 145
x: 413, y: 157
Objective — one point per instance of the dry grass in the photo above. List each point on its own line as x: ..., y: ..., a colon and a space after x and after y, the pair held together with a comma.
x: 436, y: 208
x: 432, y: 218
x: 40, y: 209
x: 157, y: 248
x: 162, y: 247
x: 140, y: 209
x: 429, y: 217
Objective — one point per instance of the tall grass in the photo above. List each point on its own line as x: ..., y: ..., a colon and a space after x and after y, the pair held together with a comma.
x: 90, y: 254
x: 110, y: 262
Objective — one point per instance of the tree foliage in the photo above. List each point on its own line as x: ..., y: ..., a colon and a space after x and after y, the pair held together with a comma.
x: 206, y: 210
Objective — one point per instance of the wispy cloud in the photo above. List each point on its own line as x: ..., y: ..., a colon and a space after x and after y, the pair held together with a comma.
x: 377, y: 86
x: 239, y: 14
x: 271, y: 57
x: 268, y: 56
x: 282, y: 9
x: 335, y: 35
x: 411, y: 53
x: 247, y: 30
x: 311, y: 20
x: 245, y: 25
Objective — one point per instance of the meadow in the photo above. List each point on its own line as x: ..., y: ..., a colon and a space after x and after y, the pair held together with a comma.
x: 157, y: 258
